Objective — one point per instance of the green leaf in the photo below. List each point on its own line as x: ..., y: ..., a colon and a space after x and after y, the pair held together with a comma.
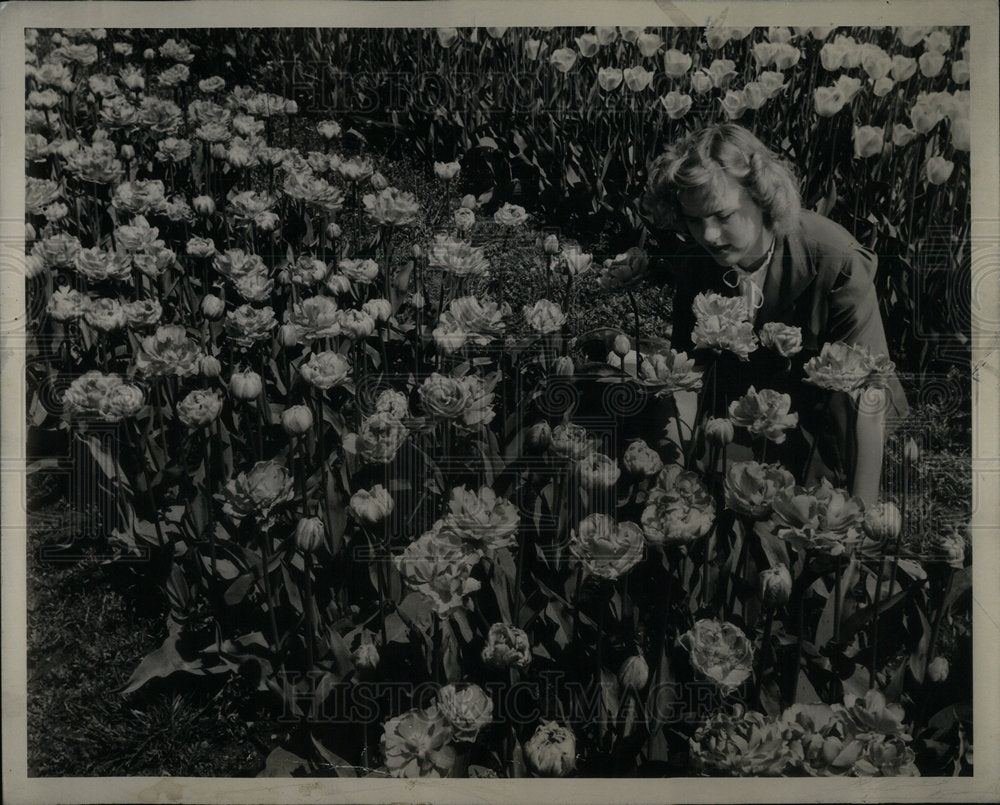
x: 282, y: 763
x: 238, y: 590
x: 340, y: 766
x: 161, y: 663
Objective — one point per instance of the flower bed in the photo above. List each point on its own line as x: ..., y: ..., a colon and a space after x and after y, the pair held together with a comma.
x: 446, y: 549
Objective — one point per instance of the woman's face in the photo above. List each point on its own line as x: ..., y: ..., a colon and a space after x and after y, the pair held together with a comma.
x: 726, y: 222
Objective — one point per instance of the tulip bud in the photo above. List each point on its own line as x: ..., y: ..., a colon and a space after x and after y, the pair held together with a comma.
x: 127, y: 152
x: 416, y: 252
x: 338, y: 284
x: 209, y: 366
x: 622, y: 346
x: 365, y: 656
x: 378, y: 181
x: 203, y: 205
x: 418, y: 300
x: 563, y: 366
x: 634, y: 673
x: 883, y: 521
x: 212, y: 307
x: 149, y: 54
x: 911, y: 452
x: 775, y: 586
x: 539, y: 436
x: 333, y: 231
x: 309, y: 534
x: 288, y: 336
x: 551, y: 245
x: 245, y: 385
x: 938, y: 669
x: 720, y: 432
x: 469, y: 202
x: 296, y: 420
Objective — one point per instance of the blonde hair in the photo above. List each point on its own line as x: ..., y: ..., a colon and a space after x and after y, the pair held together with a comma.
x: 703, y: 158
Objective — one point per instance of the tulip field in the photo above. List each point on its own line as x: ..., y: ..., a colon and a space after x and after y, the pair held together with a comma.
x: 356, y: 343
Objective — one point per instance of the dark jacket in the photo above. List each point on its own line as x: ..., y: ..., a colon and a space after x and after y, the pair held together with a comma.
x: 821, y: 280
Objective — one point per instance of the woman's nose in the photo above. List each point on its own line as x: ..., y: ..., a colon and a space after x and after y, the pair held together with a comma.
x: 711, y: 232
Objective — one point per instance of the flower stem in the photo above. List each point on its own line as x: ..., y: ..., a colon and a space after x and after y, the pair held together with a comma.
x: 635, y: 320
x: 310, y: 622
x: 765, y: 647
x: 265, y: 560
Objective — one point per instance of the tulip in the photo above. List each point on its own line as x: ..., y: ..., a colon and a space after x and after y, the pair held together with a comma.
x: 960, y: 134
x: 701, y: 81
x: 868, y: 141
x: 296, y: 420
x: 366, y: 656
x: 720, y: 431
x: 539, y: 436
x: 828, y: 100
x: 634, y: 673
x: 883, y: 521
x: 756, y: 95
x: 551, y: 751
x: 563, y: 59
x: 938, y: 669
x: 209, y: 366
x: 128, y: 152
x: 938, y: 170
x: 763, y: 53
x: 496, y: 33
x: 203, y: 205
x: 551, y: 244
x: 637, y: 78
x: 609, y: 78
x: 676, y: 63
x: 960, y: 71
x: 902, y: 135
x: 903, y: 67
x: 937, y: 41
x: 309, y: 534
x: 563, y: 366
x: 676, y: 104
x: 911, y: 451
x: 930, y: 64
x: 631, y: 34
x: 848, y: 86
x: 622, y: 346
x: 245, y: 385
x: 447, y: 37
x: 607, y: 35
x: 446, y: 170
x: 883, y: 87
x: 717, y: 36
x: 333, y: 230
x: 775, y: 586
x: 378, y: 183
x: 288, y: 336
x: 649, y: 44
x: 734, y: 104
x: 212, y: 307
x: 469, y: 202
x: 588, y: 45
x: 531, y: 47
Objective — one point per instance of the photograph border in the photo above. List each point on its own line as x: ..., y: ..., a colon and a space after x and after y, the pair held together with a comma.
x: 983, y: 19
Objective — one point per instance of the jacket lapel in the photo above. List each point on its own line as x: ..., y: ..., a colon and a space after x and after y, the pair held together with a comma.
x: 789, y: 274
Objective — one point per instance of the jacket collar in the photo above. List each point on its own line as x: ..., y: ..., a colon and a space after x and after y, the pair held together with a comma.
x: 790, y: 273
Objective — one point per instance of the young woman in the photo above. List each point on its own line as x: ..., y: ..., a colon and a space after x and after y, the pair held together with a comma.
x: 737, y: 209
